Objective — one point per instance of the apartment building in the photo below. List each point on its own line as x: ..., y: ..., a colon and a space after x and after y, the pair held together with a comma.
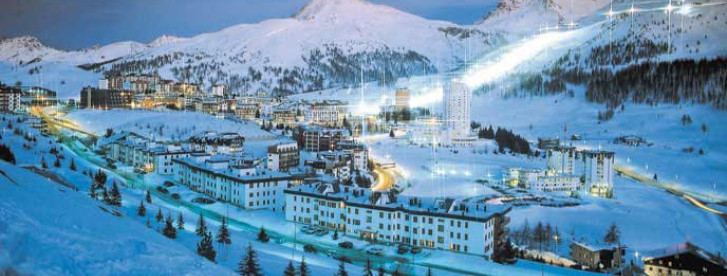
x: 471, y: 227
x: 227, y: 178
x: 283, y: 156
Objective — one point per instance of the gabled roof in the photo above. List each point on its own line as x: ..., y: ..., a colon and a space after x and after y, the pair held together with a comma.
x: 685, y: 248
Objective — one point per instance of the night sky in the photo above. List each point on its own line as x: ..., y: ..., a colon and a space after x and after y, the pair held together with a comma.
x: 75, y: 24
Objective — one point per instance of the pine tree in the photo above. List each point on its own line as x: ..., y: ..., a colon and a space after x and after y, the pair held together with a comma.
x: 391, y: 133
x: 381, y: 271
x: 106, y: 197
x: 201, y: 226
x: 159, y: 216
x: 115, y: 195
x: 303, y: 270
x: 289, y: 270
x: 223, y: 234
x: 612, y: 235
x: 42, y: 163
x: 368, y: 268
x: 180, y: 222
x: 262, y: 235
x: 429, y: 271
x: 148, y: 197
x: 72, y: 166
x: 249, y: 265
x: 341, y: 269
x: 205, y: 248
x: 148, y: 222
x: 335, y: 234
x: 142, y: 209
x: 169, y: 229
x: 396, y: 272
x: 57, y: 163
x: 92, y: 191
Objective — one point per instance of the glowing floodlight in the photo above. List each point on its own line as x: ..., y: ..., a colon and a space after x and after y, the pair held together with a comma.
x: 610, y: 13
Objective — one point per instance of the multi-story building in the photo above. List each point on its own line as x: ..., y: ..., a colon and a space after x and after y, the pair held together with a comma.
x: 287, y: 114
x: 218, y: 90
x: 247, y: 110
x: 106, y: 98
x: 214, y: 142
x: 225, y: 178
x: 438, y: 223
x: 9, y: 99
x: 283, y: 156
x: 335, y: 163
x: 600, y: 257
x: 457, y: 112
x: 314, y: 138
x: 562, y: 159
x: 143, y: 155
x: 684, y: 259
x: 326, y: 113
x: 358, y: 151
x: 547, y: 181
x: 598, y: 172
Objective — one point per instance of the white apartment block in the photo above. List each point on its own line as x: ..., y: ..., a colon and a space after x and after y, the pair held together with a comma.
x: 225, y: 178
x: 327, y: 113
x: 9, y: 99
x: 218, y: 142
x: 446, y: 224
x: 283, y: 156
x: 457, y: 108
x: 598, y: 172
x: 562, y: 160
x: 547, y: 181
x: 144, y: 155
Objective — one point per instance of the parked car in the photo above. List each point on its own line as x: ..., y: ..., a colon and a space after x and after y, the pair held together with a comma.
x: 375, y: 251
x: 416, y: 249
x: 309, y: 231
x: 309, y: 248
x: 346, y: 244
x: 403, y: 249
x: 321, y: 232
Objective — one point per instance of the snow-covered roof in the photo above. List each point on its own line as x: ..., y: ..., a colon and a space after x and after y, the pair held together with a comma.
x: 445, y: 207
x: 684, y: 248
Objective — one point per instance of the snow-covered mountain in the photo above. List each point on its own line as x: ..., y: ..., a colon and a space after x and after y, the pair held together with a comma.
x: 327, y: 43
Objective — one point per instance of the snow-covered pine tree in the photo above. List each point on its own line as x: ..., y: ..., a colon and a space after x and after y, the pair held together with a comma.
x: 341, y: 269
x: 249, y: 265
x: 368, y: 268
x: 159, y: 216
x: 262, y: 235
x: 72, y: 166
x: 223, y: 234
x: 303, y: 270
x: 92, y: 191
x: 205, y: 248
x: 148, y: 197
x: 429, y: 271
x: 142, y: 209
x: 43, y: 163
x: 612, y: 235
x: 115, y: 195
x: 201, y: 226
x: 169, y: 230
x: 57, y: 163
x: 180, y: 222
x: 106, y: 197
x: 289, y: 270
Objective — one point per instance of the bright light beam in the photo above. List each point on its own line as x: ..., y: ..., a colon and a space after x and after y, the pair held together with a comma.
x: 526, y: 51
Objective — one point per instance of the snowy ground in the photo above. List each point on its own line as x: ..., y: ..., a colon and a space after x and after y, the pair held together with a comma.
x: 162, y: 125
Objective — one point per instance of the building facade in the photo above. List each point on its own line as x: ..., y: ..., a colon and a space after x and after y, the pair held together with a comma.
x: 106, y: 98
x: 283, y: 156
x: 224, y: 178
x: 598, y: 172
x: 382, y: 217
x: 9, y: 99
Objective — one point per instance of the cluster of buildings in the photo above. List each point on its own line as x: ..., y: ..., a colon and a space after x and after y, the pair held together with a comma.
x: 15, y: 98
x: 569, y: 169
x: 442, y: 223
x: 453, y: 127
